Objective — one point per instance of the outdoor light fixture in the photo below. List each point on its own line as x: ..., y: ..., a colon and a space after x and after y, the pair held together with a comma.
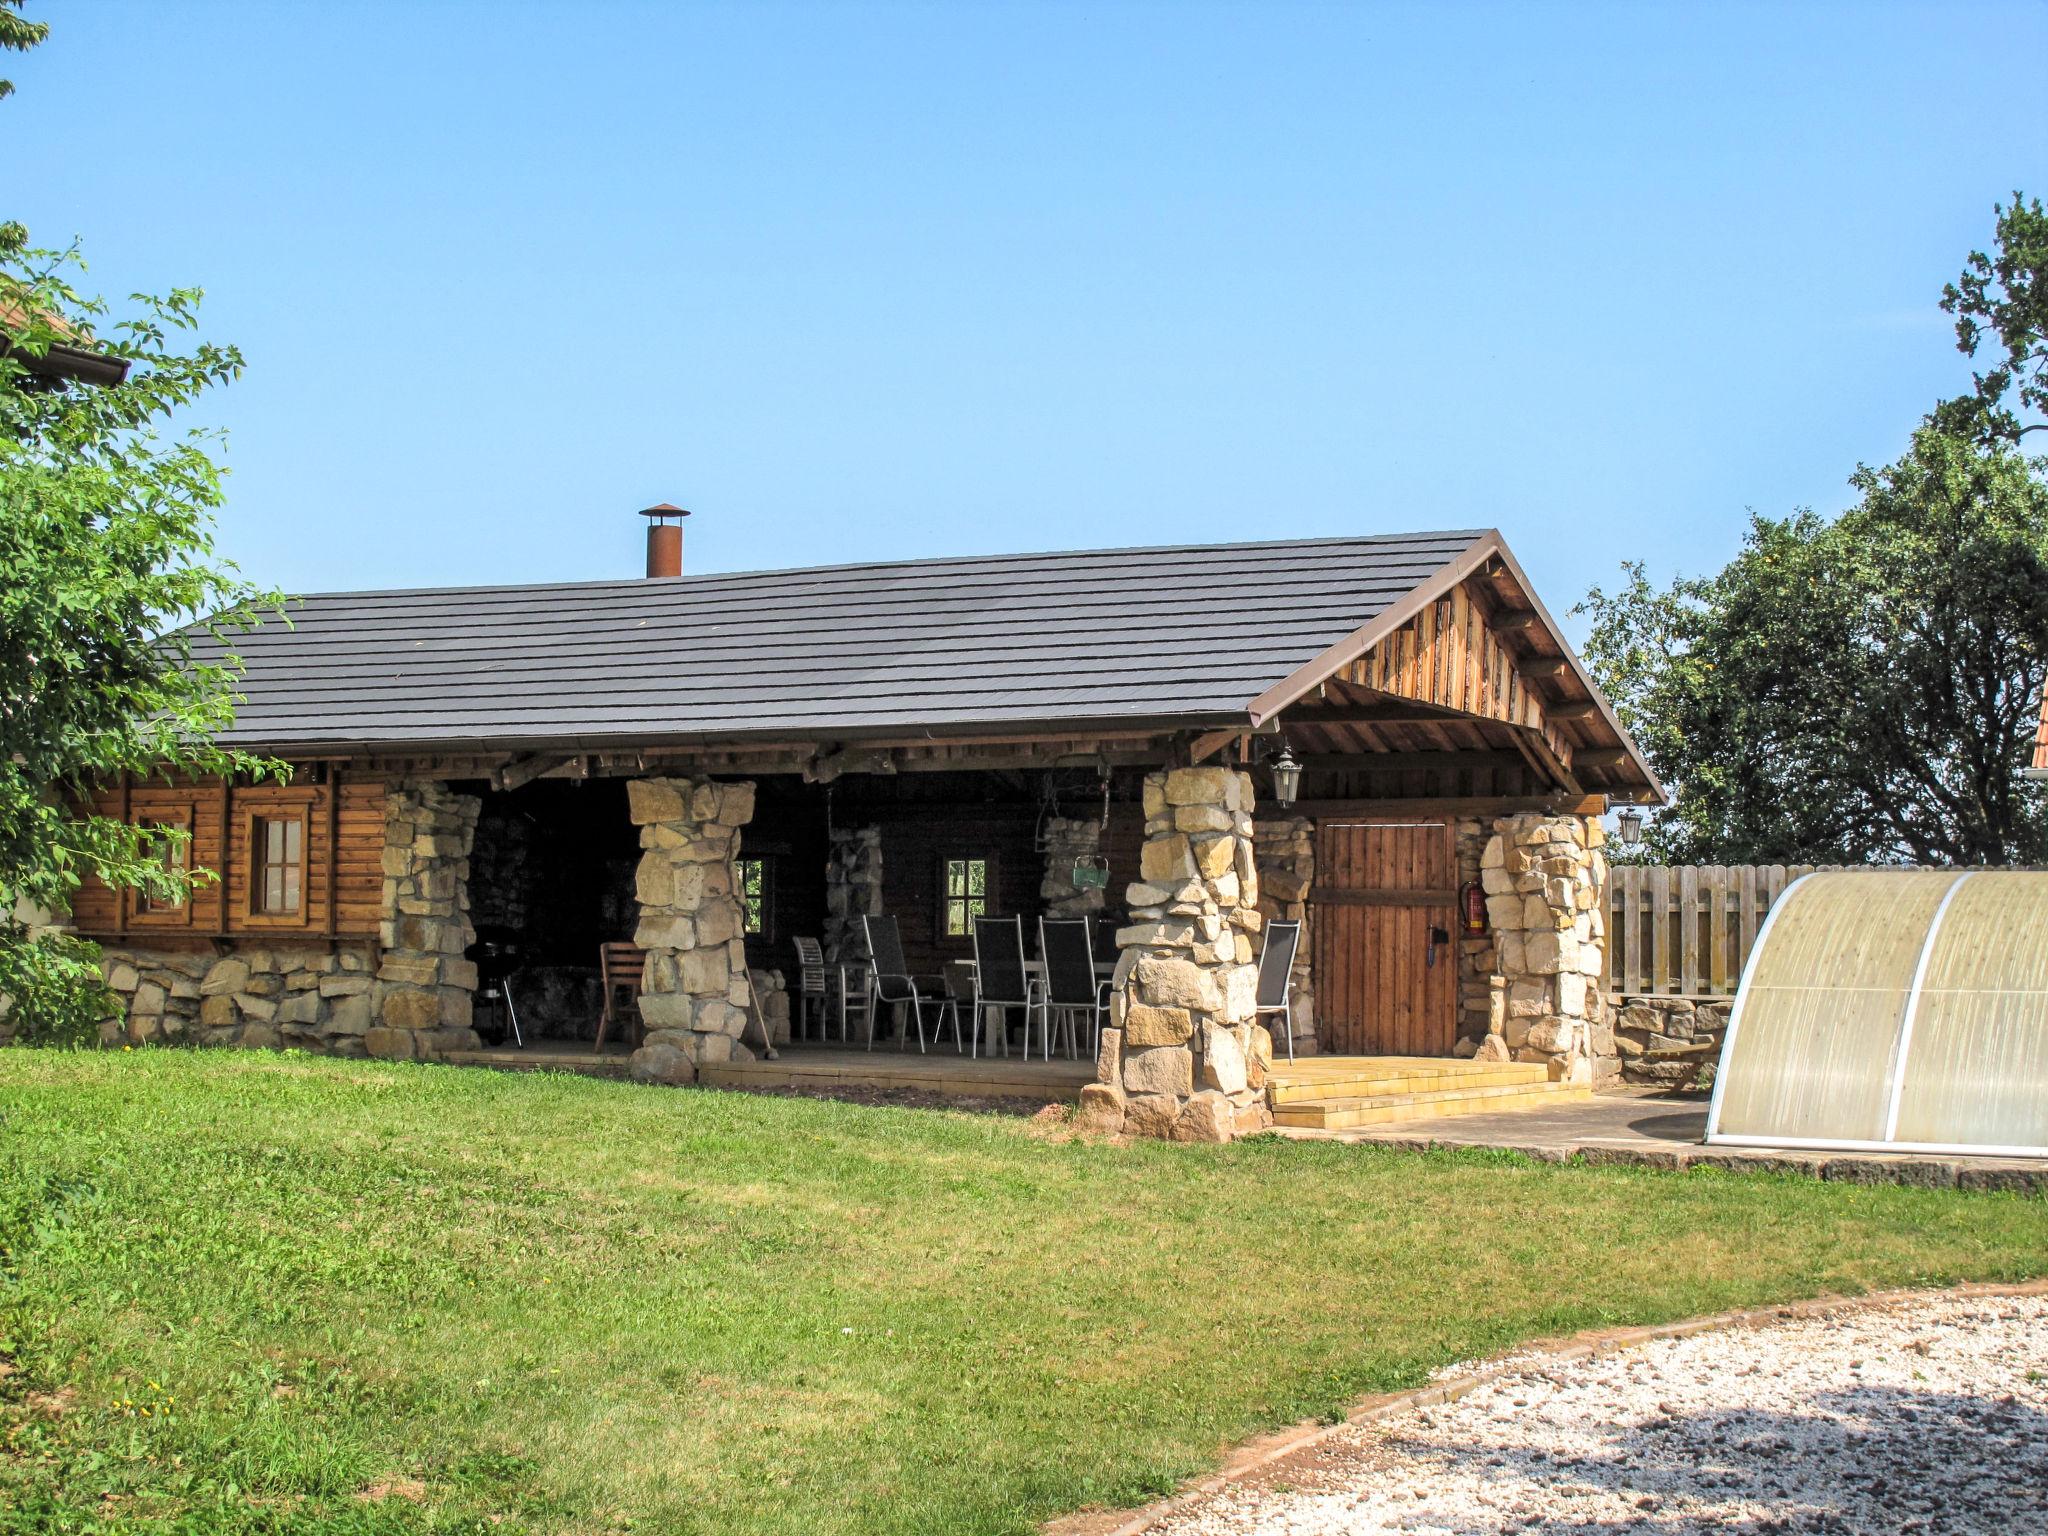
x: 1286, y: 776
x: 1631, y: 824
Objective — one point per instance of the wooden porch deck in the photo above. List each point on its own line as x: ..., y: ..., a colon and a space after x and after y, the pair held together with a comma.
x: 823, y: 1068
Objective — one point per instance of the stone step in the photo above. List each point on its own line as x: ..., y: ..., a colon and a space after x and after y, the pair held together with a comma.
x: 1385, y: 1109
x: 1286, y: 1087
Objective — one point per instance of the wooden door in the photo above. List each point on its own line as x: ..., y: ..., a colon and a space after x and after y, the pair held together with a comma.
x: 1384, y: 932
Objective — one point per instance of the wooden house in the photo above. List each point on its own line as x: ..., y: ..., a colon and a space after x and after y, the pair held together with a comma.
x: 718, y: 765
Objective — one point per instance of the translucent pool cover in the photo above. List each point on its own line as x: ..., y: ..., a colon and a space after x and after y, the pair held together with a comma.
x: 1893, y: 1009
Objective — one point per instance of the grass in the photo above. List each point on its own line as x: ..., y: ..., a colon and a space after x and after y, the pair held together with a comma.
x: 244, y: 1293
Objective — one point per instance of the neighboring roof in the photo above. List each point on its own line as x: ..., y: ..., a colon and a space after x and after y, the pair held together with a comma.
x: 75, y: 356
x: 1181, y: 637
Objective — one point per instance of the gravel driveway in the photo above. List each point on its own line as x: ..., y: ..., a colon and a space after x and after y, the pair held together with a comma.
x: 1927, y: 1415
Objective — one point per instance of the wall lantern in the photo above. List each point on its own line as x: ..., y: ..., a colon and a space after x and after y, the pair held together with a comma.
x: 1631, y: 824
x: 1286, y: 776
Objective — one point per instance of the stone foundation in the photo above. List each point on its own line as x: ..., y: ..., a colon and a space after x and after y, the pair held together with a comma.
x: 1546, y: 884
x: 261, y: 996
x: 694, y: 991
x: 1646, y: 1024
x: 1067, y: 839
x: 1285, y: 850
x: 853, y: 890
x: 1184, y: 1056
x: 425, y: 987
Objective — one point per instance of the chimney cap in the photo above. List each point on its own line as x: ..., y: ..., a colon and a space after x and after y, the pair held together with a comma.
x: 662, y: 509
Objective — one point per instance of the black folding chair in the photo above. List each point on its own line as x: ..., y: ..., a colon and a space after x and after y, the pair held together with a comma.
x: 1000, y: 980
x: 1276, y: 974
x: 1071, y: 990
x: 890, y: 981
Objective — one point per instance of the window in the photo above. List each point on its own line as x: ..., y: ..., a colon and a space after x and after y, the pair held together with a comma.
x: 174, y: 854
x: 757, y: 897
x: 966, y: 896
x: 277, y: 871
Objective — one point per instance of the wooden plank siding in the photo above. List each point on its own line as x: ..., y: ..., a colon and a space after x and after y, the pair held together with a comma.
x: 342, y: 880
x: 1450, y: 655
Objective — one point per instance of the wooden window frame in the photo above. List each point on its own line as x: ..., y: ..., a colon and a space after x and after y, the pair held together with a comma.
x: 146, y: 913
x: 252, y: 912
x: 966, y: 900
x: 765, y: 933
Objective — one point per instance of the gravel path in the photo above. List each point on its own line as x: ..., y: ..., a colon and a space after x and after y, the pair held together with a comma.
x: 1928, y: 1415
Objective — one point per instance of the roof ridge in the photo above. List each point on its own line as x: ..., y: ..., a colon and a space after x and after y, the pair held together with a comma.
x: 653, y: 583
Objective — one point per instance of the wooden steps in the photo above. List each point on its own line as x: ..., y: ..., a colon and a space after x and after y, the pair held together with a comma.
x: 1338, y: 1092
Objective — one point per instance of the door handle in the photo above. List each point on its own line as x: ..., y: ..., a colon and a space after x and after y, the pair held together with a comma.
x: 1436, y: 936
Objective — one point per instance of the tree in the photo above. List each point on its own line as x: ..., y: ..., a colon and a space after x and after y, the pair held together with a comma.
x: 2003, y: 296
x: 116, y: 614
x: 1850, y: 691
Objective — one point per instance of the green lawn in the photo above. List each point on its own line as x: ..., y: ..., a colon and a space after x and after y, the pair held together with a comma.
x: 282, y: 1294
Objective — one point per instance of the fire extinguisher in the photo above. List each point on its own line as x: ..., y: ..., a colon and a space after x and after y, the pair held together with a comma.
x: 1472, y: 899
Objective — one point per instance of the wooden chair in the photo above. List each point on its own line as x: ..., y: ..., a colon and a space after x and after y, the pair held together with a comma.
x: 810, y: 959
x: 619, y: 967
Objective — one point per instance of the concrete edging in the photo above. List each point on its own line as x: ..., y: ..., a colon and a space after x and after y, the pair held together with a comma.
x: 1976, y: 1175
x: 1266, y: 1451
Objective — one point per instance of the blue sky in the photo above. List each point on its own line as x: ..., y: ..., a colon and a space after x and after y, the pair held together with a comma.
x: 860, y: 281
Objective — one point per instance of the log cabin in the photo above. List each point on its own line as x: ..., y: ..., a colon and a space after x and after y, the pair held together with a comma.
x: 1383, y: 738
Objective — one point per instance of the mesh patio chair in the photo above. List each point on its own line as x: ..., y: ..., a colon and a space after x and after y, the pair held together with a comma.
x: 1071, y: 989
x: 1000, y: 980
x: 890, y: 983
x: 810, y: 992
x: 1276, y: 972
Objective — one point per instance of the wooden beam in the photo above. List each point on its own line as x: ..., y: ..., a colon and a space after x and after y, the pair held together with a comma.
x: 1469, y: 805
x: 521, y: 771
x: 1600, y: 757
x: 1553, y: 765
x: 1572, y: 709
x: 1413, y: 762
x: 1542, y: 669
x: 1208, y: 745
x: 1516, y: 621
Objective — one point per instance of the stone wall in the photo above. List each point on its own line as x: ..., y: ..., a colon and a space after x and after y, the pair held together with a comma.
x: 1285, y: 851
x: 1184, y: 1056
x: 1645, y: 1025
x: 425, y: 987
x: 853, y: 890
x: 694, y: 991
x: 1068, y: 838
x: 1546, y: 883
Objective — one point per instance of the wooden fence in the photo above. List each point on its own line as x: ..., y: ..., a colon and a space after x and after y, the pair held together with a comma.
x: 1685, y: 930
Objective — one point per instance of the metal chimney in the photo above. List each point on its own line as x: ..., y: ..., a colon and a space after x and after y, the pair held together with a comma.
x: 664, y: 539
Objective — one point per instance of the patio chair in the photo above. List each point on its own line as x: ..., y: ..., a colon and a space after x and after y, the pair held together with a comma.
x: 810, y: 992
x: 1276, y: 976
x: 1071, y: 989
x: 890, y: 982
x: 1000, y: 980
x: 619, y: 968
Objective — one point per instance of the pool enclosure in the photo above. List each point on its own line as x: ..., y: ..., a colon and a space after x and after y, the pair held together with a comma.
x: 1894, y: 1010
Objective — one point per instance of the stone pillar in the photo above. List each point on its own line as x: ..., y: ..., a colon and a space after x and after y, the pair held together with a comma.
x: 425, y: 986
x: 1185, y: 1056
x: 853, y: 890
x: 1546, y: 884
x: 1068, y: 838
x: 694, y: 991
x: 1286, y: 850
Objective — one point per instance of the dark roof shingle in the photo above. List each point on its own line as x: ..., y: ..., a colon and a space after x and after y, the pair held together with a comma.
x: 1189, y: 633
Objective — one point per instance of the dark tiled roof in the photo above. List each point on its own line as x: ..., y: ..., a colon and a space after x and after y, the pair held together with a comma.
x: 1187, y: 634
